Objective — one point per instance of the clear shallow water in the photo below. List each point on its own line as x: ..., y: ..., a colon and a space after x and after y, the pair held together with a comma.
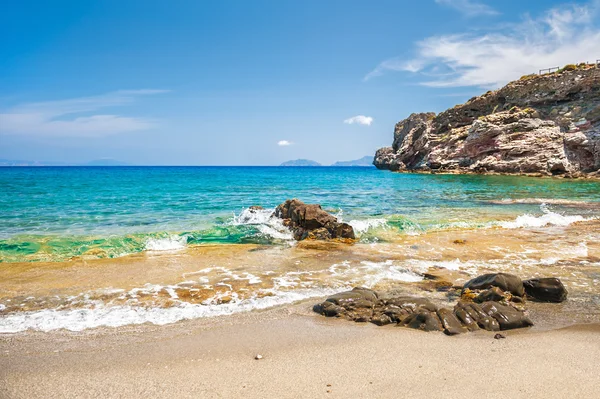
x: 54, y: 214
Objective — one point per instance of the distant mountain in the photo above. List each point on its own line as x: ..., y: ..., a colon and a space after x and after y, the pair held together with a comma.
x: 367, y: 160
x: 301, y: 162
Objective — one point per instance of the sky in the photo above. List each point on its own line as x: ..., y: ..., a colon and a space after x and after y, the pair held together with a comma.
x: 259, y: 82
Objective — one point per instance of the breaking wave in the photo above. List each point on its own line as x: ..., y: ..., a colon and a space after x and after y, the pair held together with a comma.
x: 265, y: 222
x: 170, y: 243
x: 549, y: 218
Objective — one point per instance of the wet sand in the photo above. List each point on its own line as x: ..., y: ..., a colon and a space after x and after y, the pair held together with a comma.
x: 305, y: 355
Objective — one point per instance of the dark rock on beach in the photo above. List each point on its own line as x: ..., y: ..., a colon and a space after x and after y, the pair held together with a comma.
x: 364, y: 305
x: 310, y: 221
x: 491, y: 302
x: 504, y: 281
x: 545, y: 289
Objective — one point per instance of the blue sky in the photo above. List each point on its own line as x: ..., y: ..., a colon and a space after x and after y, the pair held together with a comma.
x: 259, y: 82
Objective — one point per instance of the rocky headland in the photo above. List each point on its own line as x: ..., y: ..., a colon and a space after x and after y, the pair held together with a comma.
x: 544, y: 125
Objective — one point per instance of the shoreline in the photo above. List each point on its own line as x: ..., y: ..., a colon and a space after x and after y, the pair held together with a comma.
x: 304, y: 355
x: 584, y: 177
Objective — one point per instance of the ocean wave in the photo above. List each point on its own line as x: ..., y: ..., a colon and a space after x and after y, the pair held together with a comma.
x: 117, y: 316
x: 264, y: 221
x: 362, y: 226
x: 548, y: 218
x: 170, y: 243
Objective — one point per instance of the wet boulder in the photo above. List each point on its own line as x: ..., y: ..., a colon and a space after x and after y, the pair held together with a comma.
x: 310, y: 221
x: 358, y: 296
x: 471, y: 313
x: 547, y: 289
x: 504, y: 281
x: 491, y: 294
x: 423, y: 320
x: 328, y: 309
x: 450, y: 322
x: 507, y: 317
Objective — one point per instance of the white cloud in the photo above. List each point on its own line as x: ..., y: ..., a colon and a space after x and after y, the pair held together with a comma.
x: 469, y: 8
x: 360, y: 119
x: 562, y: 35
x: 284, y: 143
x: 59, y: 118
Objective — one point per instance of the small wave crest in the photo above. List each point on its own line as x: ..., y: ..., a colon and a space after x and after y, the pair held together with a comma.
x: 548, y: 218
x: 264, y: 221
x: 170, y: 243
x: 362, y: 226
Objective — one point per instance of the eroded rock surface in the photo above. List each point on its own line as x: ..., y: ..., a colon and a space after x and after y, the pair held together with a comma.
x: 491, y: 302
x: 542, y: 125
x: 364, y: 305
x: 310, y: 221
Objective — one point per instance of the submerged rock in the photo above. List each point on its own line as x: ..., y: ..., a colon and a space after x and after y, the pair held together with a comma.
x: 310, y: 221
x: 548, y: 289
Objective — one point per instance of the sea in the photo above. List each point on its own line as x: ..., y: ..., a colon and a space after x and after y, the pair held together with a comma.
x: 85, y: 247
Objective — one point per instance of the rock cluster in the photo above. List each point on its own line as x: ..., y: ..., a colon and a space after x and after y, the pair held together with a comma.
x: 491, y: 302
x: 542, y: 125
x: 310, y: 221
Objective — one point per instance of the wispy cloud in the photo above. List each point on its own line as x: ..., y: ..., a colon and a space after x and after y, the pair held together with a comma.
x: 60, y: 118
x: 284, y: 143
x: 469, y: 8
x: 561, y: 35
x: 360, y: 119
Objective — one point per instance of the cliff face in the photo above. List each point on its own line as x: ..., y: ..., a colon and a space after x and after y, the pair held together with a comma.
x: 548, y: 125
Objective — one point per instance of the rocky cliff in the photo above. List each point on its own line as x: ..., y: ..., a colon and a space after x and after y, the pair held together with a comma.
x: 540, y: 125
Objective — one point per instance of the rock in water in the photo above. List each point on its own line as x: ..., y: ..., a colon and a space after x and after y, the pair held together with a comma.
x: 548, y: 289
x: 504, y: 281
x: 312, y: 222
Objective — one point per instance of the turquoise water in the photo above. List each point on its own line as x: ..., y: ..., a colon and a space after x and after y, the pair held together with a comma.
x: 56, y: 213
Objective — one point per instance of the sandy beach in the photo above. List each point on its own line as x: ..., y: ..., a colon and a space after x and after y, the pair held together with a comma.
x: 304, y: 355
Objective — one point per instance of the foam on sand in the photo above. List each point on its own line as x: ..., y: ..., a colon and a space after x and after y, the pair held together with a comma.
x: 117, y: 316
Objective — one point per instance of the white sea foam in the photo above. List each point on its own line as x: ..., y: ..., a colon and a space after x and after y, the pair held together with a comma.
x: 374, y: 272
x: 362, y: 226
x: 170, y: 243
x: 117, y: 316
x: 549, y: 218
x: 265, y: 222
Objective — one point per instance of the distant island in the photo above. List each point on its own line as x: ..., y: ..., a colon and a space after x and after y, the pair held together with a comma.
x: 367, y: 160
x: 301, y: 162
